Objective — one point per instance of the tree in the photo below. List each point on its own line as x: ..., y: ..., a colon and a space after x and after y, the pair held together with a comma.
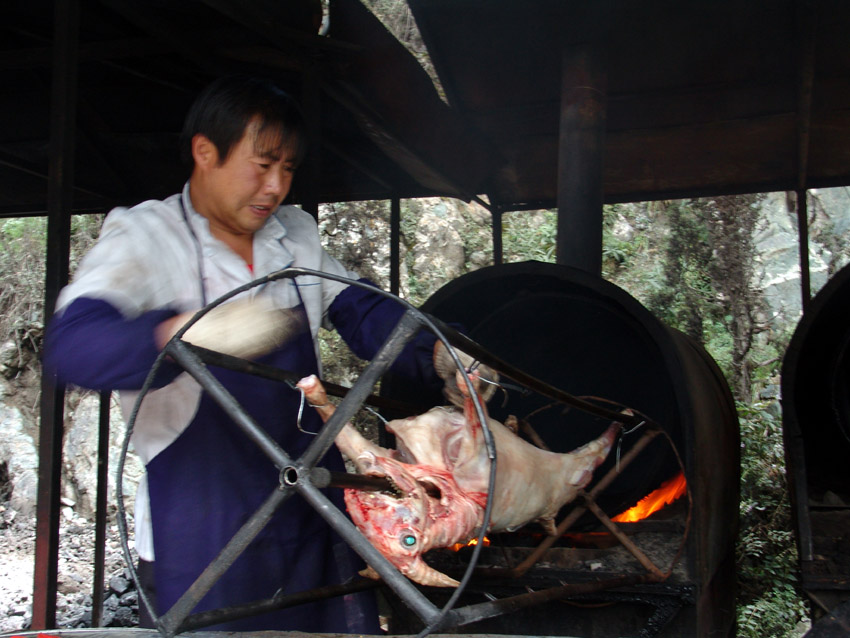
x: 709, y: 278
x: 731, y: 223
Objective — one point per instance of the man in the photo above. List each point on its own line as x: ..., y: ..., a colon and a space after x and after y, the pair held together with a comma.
x: 154, y: 265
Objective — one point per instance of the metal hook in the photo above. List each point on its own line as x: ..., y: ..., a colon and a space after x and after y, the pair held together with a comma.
x: 376, y: 413
x: 301, y: 413
x: 623, y: 434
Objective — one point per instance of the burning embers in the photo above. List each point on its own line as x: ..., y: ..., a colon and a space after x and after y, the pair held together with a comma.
x: 656, y: 500
x: 470, y: 543
x: 669, y: 492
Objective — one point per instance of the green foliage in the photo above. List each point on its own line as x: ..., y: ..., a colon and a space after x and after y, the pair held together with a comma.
x: 776, y: 614
x: 622, y: 237
x: 22, y: 263
x: 22, y: 246
x: 417, y: 290
x: 529, y: 236
x: 677, y: 258
x: 770, y: 602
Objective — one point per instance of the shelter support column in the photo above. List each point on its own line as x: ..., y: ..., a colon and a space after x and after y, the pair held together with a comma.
x: 59, y: 204
x: 581, y: 149
x: 310, y: 173
x: 807, y: 19
x: 498, y: 249
x: 395, y: 245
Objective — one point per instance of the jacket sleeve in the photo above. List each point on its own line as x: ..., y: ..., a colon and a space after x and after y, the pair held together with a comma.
x: 92, y: 345
x: 365, y: 319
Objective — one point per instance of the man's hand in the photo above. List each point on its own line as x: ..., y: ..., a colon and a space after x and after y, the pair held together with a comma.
x: 169, y: 327
x: 446, y: 369
x: 246, y: 328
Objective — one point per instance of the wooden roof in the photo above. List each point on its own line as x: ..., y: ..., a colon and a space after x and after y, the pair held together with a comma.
x: 140, y: 64
x: 702, y: 96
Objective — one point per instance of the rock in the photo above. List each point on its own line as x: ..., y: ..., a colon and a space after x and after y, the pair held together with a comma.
x: 124, y: 617
x: 18, y: 454
x: 111, y: 602
x: 13, y: 359
x: 80, y: 456
x: 119, y: 584
x: 68, y: 586
x: 84, y: 619
x: 832, y: 499
x: 130, y: 599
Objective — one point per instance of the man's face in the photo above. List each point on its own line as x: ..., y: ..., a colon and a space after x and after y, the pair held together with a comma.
x: 239, y: 194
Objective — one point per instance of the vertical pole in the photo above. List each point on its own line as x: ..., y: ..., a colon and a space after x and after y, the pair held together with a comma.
x: 497, y: 235
x: 100, y: 509
x: 807, y: 18
x: 311, y: 172
x: 395, y: 245
x: 803, y: 234
x: 580, y: 158
x: 59, y: 200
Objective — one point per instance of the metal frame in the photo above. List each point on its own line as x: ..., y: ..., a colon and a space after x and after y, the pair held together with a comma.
x: 296, y: 475
x: 301, y: 476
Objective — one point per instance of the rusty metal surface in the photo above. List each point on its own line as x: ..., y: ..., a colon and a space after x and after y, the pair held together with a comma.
x: 816, y: 429
x: 589, y: 337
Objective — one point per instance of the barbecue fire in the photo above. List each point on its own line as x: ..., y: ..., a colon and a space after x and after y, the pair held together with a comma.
x: 471, y: 543
x: 654, y: 501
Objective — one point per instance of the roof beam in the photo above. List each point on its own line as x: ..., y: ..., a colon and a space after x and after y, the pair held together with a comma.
x: 418, y: 167
x: 194, y: 48
x: 270, y: 21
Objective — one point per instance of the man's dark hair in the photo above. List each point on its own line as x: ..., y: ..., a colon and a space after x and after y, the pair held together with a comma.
x: 224, y: 109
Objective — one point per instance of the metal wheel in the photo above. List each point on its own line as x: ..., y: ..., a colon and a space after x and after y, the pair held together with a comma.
x: 298, y: 475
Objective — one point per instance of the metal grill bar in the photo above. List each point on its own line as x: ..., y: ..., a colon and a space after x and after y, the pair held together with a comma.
x: 194, y: 366
x: 404, y: 331
x: 218, y: 616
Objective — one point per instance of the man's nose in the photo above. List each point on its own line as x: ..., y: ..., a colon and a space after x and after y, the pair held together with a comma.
x: 276, y: 183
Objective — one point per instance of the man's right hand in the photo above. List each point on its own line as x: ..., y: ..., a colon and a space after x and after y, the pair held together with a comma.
x: 245, y: 328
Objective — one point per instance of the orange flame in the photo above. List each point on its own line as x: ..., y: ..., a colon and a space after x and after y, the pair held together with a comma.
x: 471, y: 543
x: 654, y: 501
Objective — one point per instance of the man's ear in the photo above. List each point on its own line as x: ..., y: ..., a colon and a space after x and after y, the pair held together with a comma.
x: 204, y: 151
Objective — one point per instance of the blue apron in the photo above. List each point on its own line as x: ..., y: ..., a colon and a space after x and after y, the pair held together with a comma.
x: 223, y: 478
